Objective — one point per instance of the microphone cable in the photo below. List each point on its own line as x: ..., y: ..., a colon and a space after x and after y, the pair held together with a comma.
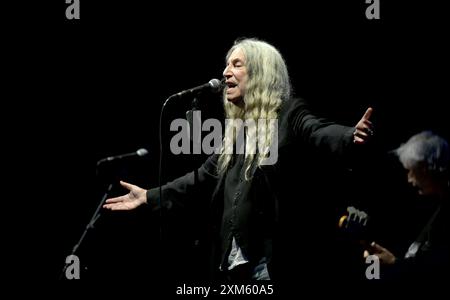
x: 214, y: 84
x: 160, y: 168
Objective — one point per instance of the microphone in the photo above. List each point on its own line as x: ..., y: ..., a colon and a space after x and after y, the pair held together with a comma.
x: 214, y: 85
x: 140, y: 152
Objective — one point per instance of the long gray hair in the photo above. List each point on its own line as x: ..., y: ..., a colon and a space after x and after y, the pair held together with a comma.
x: 268, y: 85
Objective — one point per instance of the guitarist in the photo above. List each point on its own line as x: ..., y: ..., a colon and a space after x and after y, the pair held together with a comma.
x: 426, y: 158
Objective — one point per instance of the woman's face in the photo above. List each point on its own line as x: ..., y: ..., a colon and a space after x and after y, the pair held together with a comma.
x: 235, y: 74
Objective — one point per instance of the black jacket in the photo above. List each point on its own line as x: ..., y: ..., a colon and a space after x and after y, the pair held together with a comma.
x: 430, y: 262
x: 255, y: 219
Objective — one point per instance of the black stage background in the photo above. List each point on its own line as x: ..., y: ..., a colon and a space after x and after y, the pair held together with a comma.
x: 90, y: 88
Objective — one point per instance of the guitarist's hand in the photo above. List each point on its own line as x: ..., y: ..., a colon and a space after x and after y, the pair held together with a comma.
x: 384, y: 255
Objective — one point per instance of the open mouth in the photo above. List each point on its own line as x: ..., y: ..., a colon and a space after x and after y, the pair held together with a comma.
x: 231, y: 85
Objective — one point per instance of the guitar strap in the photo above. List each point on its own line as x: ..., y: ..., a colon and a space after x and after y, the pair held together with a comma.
x: 422, y: 240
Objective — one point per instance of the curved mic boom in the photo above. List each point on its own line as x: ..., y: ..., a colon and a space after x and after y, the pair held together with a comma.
x: 140, y: 152
x: 214, y: 85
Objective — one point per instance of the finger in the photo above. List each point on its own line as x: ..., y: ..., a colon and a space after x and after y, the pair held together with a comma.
x: 364, y: 125
x: 370, y: 247
x: 366, y: 253
x: 358, y: 140
x: 368, y: 113
x: 114, y: 200
x: 363, y: 130
x: 368, y: 123
x: 116, y: 206
x: 108, y: 206
x: 360, y: 133
x: 377, y: 247
x: 127, y: 185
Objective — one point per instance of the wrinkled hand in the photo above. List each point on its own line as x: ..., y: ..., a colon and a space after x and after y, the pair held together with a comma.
x: 132, y: 200
x: 364, y: 128
x: 384, y: 255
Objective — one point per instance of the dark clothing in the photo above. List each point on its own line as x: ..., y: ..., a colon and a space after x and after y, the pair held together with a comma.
x: 430, y: 260
x: 251, y: 210
x: 236, y: 203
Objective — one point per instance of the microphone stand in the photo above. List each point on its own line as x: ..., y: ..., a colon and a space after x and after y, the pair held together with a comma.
x: 89, y: 225
x: 190, y: 117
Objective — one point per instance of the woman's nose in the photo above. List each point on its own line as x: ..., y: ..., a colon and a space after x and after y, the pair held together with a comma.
x: 226, y: 72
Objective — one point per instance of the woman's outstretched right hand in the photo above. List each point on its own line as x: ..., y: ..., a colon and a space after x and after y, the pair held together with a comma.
x: 132, y: 200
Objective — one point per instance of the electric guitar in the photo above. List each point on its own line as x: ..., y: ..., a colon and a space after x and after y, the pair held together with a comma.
x: 354, y: 225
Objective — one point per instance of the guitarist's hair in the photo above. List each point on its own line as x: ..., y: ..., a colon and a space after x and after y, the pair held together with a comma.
x: 425, y: 148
